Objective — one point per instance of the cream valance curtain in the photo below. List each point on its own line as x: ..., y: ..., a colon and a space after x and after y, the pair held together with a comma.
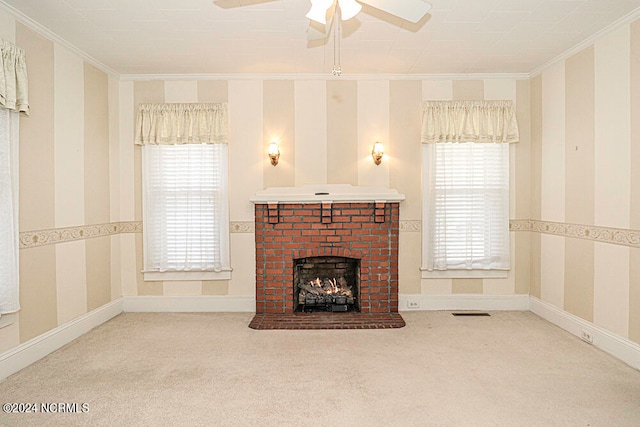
x: 13, y: 78
x: 469, y: 121
x: 165, y: 124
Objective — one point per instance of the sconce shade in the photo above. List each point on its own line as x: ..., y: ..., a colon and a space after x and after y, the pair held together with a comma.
x: 377, y: 152
x: 274, y: 153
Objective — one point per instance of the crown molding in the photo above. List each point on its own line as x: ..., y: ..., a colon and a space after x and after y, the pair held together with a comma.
x: 627, y: 19
x: 327, y: 76
x: 41, y: 29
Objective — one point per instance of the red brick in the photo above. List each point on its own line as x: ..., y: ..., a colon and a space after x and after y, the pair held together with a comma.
x: 356, y: 235
x: 364, y: 219
x: 353, y: 225
x: 351, y: 212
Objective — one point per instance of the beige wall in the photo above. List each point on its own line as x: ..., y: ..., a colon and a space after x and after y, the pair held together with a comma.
x: 326, y: 129
x: 584, y: 138
x: 64, y: 183
x: 634, y: 217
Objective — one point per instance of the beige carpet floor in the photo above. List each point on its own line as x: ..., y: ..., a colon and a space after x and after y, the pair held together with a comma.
x: 510, y: 369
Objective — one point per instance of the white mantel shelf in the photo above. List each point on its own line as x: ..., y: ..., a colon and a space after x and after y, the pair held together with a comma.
x: 326, y: 193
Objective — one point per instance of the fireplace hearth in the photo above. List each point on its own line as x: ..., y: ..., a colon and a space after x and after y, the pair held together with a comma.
x: 327, y: 257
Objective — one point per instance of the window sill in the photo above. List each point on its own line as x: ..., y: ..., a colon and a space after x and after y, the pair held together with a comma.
x: 7, y: 319
x: 168, y: 276
x: 465, y: 274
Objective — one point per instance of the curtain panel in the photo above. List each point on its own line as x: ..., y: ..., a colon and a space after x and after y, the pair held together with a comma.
x: 469, y: 121
x: 9, y: 262
x: 167, y: 124
x: 13, y: 78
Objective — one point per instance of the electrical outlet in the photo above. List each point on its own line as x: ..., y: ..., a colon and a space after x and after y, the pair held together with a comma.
x: 586, y: 337
x: 413, y: 305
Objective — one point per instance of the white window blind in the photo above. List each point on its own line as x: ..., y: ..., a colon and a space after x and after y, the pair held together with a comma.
x: 186, y: 226
x: 467, y: 206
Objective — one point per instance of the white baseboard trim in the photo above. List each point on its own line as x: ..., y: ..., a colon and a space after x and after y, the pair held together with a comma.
x: 618, y: 347
x: 414, y: 302
x: 186, y: 304
x: 35, y: 349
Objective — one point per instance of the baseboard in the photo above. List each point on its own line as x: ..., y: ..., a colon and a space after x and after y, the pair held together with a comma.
x: 35, y: 349
x: 621, y: 348
x: 414, y: 302
x: 185, y: 304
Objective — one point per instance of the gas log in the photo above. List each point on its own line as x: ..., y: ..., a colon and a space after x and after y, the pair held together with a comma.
x: 325, y: 292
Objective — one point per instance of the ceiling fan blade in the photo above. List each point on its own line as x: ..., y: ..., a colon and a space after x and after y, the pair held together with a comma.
x: 410, y: 10
x: 314, y: 33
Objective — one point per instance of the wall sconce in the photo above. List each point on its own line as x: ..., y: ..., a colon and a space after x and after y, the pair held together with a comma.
x: 377, y: 152
x: 274, y: 152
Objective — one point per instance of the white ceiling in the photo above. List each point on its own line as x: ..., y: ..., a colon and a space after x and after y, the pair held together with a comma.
x: 269, y: 36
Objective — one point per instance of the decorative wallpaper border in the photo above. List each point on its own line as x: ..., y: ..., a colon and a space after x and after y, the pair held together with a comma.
x: 410, y: 226
x: 33, y: 239
x: 616, y: 236
x: 519, y: 225
x: 242, y: 227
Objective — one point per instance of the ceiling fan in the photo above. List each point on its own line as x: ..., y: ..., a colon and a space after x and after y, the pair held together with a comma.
x: 323, y: 14
x: 409, y: 10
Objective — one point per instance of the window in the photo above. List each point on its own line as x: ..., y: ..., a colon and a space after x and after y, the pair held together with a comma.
x: 9, y: 264
x: 186, y: 225
x: 466, y: 209
x: 13, y: 102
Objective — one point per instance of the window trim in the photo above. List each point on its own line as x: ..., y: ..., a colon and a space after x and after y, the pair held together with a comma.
x: 174, y: 276
x: 464, y: 274
x: 168, y: 276
x: 456, y: 273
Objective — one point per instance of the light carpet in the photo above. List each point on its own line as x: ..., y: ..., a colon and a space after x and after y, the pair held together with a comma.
x: 509, y: 369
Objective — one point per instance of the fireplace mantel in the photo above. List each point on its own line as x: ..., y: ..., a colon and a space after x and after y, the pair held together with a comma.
x: 326, y: 193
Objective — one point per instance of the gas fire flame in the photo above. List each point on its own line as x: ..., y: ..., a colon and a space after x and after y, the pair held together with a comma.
x: 332, y: 289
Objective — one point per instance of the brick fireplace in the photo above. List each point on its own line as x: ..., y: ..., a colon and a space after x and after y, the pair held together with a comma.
x: 353, y: 225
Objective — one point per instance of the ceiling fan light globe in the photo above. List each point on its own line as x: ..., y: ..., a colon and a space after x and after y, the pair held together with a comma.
x: 316, y: 14
x: 349, y: 9
x: 318, y: 11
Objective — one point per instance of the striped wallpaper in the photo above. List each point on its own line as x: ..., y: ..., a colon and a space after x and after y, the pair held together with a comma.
x: 585, y: 137
x: 64, y: 183
x: 325, y: 129
x: 574, y: 187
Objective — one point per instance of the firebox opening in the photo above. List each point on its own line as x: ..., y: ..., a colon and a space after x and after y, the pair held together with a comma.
x: 326, y: 283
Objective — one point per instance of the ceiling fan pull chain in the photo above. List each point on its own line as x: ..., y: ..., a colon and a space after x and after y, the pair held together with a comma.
x: 337, y: 33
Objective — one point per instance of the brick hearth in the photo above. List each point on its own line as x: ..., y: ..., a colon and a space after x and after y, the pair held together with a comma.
x: 327, y: 321
x: 367, y: 231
